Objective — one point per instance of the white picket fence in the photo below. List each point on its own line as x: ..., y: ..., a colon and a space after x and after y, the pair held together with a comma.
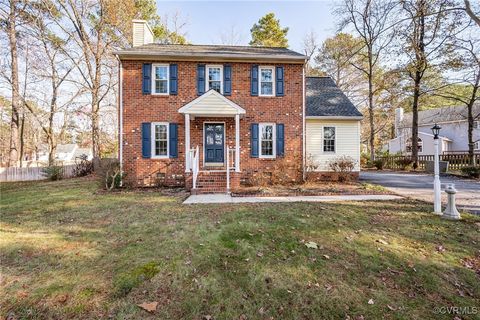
x: 30, y: 173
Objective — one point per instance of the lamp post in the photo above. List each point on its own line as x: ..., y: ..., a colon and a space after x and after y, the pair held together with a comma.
x: 437, y: 201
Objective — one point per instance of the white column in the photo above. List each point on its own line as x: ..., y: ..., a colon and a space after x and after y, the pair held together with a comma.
x: 187, y: 143
x: 237, y: 143
x: 437, y: 201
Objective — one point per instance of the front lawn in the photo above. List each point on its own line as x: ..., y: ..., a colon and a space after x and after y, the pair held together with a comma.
x: 68, y: 251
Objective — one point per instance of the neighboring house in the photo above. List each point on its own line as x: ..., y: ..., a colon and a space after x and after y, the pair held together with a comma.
x: 65, y: 153
x: 453, y: 135
x: 245, y: 104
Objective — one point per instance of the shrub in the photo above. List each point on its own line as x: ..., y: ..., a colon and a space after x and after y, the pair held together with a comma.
x: 473, y: 172
x: 109, y: 175
x: 53, y: 173
x: 379, y: 163
x: 404, y: 163
x: 365, y: 160
x: 310, y: 167
x: 343, y: 165
x: 83, y: 167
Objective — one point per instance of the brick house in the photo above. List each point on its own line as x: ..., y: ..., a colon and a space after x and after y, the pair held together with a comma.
x: 214, y: 117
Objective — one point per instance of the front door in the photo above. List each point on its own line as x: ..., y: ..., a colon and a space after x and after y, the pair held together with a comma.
x: 214, y: 142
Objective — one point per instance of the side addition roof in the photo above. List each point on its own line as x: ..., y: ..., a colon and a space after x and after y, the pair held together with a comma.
x: 175, y: 52
x: 440, y: 115
x: 324, y: 99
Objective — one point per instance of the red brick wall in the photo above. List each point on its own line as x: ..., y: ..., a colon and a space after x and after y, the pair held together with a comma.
x: 138, y: 108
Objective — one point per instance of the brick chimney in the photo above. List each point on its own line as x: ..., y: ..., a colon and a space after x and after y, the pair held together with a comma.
x: 142, y: 33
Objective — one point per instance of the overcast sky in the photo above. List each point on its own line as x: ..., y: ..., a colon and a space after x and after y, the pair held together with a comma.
x: 206, y: 20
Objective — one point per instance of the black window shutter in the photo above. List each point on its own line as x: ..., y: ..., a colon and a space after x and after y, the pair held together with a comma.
x: 174, y: 79
x: 227, y: 80
x: 254, y: 81
x: 173, y: 140
x: 254, y: 140
x: 280, y: 140
x: 200, y: 79
x: 146, y: 78
x: 146, y: 140
x: 279, y: 83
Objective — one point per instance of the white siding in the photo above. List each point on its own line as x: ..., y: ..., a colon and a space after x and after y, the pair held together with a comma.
x: 347, y: 140
x: 212, y: 105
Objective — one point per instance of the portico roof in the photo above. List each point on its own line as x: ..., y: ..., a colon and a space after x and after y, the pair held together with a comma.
x: 212, y: 103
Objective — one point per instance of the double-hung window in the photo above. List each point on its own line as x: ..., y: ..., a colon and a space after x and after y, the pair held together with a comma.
x: 267, y: 140
x: 214, y: 78
x: 328, y: 139
x: 159, y: 140
x: 160, y: 77
x: 267, y: 82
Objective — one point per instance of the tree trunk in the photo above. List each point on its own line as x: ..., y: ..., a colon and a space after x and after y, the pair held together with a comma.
x: 22, y: 139
x: 471, y: 120
x: 16, y: 103
x: 416, y: 95
x: 370, y: 105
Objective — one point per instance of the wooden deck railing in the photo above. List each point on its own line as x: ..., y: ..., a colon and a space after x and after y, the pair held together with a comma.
x: 456, y: 161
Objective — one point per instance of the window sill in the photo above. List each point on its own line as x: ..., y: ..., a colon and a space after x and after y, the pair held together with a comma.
x: 267, y: 158
x: 160, y: 95
x: 269, y: 97
x: 159, y: 157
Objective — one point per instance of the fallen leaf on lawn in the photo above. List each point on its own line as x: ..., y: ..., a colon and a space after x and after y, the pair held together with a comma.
x: 261, y: 311
x: 62, y: 298
x: 311, y: 245
x: 382, y: 241
x: 391, y: 308
x: 326, y: 256
x: 259, y: 254
x: 207, y: 317
x: 328, y: 287
x: 371, y: 301
x: 440, y: 248
x: 149, y: 306
x: 242, y: 317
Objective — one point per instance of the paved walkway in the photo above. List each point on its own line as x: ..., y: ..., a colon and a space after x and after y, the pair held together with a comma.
x: 225, y: 198
x: 420, y: 186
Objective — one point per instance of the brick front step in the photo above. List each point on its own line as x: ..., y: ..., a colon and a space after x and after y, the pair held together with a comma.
x: 211, y: 182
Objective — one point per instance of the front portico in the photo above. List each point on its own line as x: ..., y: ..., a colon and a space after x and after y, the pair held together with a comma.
x: 215, y: 113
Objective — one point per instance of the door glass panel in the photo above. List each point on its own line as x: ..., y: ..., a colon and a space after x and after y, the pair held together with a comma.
x: 218, y: 138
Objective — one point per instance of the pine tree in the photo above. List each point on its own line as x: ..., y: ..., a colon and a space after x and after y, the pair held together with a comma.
x: 268, y: 33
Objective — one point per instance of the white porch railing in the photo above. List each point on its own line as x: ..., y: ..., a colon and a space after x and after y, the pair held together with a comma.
x: 230, y: 165
x: 194, y: 159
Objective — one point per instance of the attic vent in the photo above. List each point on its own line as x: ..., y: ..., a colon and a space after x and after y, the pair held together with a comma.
x: 142, y: 33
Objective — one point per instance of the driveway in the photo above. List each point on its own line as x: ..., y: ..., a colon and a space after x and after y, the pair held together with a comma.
x: 420, y: 186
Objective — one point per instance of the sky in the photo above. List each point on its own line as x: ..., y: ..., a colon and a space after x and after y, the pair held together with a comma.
x: 207, y: 20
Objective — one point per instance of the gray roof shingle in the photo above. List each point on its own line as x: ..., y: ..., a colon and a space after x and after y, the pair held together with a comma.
x: 210, y: 51
x: 439, y: 115
x: 325, y: 99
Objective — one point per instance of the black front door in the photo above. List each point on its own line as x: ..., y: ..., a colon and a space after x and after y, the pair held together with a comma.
x: 214, y: 142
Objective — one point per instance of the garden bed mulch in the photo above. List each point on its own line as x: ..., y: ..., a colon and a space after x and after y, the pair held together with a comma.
x: 311, y: 189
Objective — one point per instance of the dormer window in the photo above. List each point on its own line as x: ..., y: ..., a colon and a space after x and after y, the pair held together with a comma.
x: 214, y: 78
x: 266, y: 83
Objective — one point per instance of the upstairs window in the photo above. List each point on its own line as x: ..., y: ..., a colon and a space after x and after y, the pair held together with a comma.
x: 266, y: 83
x: 160, y: 79
x: 267, y: 140
x: 328, y: 139
x: 214, y: 78
x: 159, y: 140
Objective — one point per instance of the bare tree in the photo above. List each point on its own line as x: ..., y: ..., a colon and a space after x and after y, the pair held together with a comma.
x: 16, y: 101
x: 472, y: 15
x: 310, y: 49
x: 231, y: 36
x: 427, y: 34
x: 370, y: 20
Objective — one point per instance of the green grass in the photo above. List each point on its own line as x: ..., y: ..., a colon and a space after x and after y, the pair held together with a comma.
x: 69, y: 251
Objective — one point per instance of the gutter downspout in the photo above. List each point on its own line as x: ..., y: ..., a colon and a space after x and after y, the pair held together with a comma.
x: 303, y: 124
x: 120, y: 118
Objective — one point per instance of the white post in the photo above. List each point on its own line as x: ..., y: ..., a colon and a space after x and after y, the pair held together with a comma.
x: 237, y: 143
x: 437, y: 202
x: 228, y: 169
x: 187, y: 143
